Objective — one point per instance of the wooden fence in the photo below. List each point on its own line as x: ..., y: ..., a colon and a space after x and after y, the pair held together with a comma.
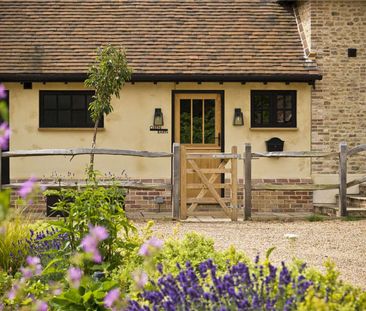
x: 87, y: 151
x: 342, y: 185
x: 247, y: 158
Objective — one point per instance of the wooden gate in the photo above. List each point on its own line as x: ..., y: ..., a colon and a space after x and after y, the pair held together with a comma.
x: 209, y: 183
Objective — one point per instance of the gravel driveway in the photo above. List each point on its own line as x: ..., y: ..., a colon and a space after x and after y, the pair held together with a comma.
x: 342, y: 241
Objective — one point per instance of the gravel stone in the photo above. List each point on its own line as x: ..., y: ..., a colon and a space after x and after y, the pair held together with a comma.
x: 344, y: 242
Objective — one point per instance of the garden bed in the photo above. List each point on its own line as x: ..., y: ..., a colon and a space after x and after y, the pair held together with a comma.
x: 341, y: 241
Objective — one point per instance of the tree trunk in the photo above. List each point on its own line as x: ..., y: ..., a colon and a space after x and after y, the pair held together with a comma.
x: 91, y: 165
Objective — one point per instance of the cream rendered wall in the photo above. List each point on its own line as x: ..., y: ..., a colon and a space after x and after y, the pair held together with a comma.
x: 127, y: 127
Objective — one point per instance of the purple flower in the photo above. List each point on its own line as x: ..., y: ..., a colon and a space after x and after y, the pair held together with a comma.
x: 27, y: 187
x: 74, y: 276
x: 27, y: 273
x: 2, y: 91
x: 150, y: 246
x: 111, y: 297
x: 140, y: 278
x: 33, y: 261
x: 4, y: 135
x: 41, y: 306
x: 90, y: 242
x: 99, y: 233
x: 13, y: 292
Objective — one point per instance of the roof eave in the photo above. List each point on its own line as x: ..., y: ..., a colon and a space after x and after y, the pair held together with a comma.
x: 158, y: 77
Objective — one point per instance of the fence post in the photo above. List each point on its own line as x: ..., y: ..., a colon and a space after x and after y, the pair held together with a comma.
x: 343, y: 179
x: 234, y: 184
x: 183, y: 214
x: 176, y: 181
x: 247, y: 182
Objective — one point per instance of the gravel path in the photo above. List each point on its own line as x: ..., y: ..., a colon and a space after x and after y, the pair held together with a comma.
x: 342, y: 241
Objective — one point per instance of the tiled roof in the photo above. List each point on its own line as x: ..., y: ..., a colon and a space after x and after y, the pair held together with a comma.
x: 161, y: 37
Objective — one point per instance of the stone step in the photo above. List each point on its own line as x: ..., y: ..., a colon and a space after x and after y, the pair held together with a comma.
x: 362, y: 189
x: 354, y: 200
x: 332, y: 210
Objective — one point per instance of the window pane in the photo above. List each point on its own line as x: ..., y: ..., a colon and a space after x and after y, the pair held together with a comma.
x: 280, y: 101
x: 280, y: 116
x: 78, y: 102
x: 258, y: 118
x: 289, y: 102
x: 257, y: 102
x: 209, y: 121
x: 265, y: 102
x: 64, y: 117
x: 79, y: 118
x: 50, y: 118
x: 185, y: 121
x: 64, y: 102
x: 197, y: 121
x: 265, y: 116
x: 288, y: 116
x: 49, y: 102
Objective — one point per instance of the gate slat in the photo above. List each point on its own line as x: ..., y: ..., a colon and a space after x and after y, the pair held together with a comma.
x: 210, y: 188
x: 204, y: 191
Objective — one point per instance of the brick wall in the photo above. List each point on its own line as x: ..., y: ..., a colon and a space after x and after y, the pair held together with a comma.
x: 339, y: 100
x: 279, y: 200
x: 143, y: 200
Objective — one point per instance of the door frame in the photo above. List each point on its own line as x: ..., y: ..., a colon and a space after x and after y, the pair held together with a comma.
x: 222, y: 121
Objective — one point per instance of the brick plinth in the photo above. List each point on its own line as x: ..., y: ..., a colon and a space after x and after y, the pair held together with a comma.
x: 282, y: 201
x: 146, y: 200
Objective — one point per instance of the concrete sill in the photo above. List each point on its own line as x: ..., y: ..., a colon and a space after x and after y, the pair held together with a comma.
x: 67, y: 129
x: 279, y: 129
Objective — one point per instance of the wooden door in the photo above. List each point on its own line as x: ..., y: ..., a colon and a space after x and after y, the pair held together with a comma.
x: 198, y: 127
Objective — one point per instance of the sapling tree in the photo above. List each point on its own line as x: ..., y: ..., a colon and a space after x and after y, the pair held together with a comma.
x: 106, y: 76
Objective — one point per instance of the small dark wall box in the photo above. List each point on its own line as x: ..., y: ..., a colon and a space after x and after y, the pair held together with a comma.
x: 274, y: 144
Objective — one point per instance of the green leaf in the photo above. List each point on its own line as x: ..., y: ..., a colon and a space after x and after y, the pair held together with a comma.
x: 269, y: 252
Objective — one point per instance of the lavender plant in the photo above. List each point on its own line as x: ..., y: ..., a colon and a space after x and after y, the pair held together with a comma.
x: 46, y: 244
x: 240, y: 288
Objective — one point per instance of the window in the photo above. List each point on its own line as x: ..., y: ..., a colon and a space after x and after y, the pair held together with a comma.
x: 66, y: 109
x: 273, y: 109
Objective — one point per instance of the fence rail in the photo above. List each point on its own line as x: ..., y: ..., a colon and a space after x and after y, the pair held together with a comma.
x: 342, y: 186
x: 87, y: 151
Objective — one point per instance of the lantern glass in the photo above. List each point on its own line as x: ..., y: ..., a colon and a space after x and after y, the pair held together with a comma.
x: 238, y: 117
x: 158, y: 117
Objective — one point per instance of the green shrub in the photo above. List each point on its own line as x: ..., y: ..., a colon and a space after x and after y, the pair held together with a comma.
x: 95, y: 206
x: 13, y: 246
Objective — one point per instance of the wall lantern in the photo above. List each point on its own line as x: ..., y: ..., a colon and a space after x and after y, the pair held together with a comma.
x: 158, y: 117
x: 238, y: 117
x: 158, y: 122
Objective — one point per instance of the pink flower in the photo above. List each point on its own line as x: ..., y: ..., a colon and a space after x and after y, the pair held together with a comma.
x: 41, y: 306
x: 150, y: 246
x: 99, y: 233
x: 4, y: 135
x: 90, y: 242
x: 74, y: 276
x: 33, y: 261
x: 13, y: 292
x: 27, y: 187
x: 27, y: 273
x: 140, y: 278
x: 2, y: 91
x: 111, y: 297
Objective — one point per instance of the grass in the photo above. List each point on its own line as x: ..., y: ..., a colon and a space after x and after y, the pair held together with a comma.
x: 353, y: 218
x: 314, y: 218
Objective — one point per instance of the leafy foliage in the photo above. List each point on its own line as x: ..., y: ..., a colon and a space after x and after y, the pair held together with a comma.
x: 95, y: 206
x: 107, y: 76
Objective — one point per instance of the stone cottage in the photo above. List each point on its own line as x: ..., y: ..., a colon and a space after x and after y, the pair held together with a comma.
x: 291, y: 69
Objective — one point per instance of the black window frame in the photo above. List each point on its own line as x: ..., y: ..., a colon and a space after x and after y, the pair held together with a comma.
x: 86, y: 125
x: 273, y: 123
